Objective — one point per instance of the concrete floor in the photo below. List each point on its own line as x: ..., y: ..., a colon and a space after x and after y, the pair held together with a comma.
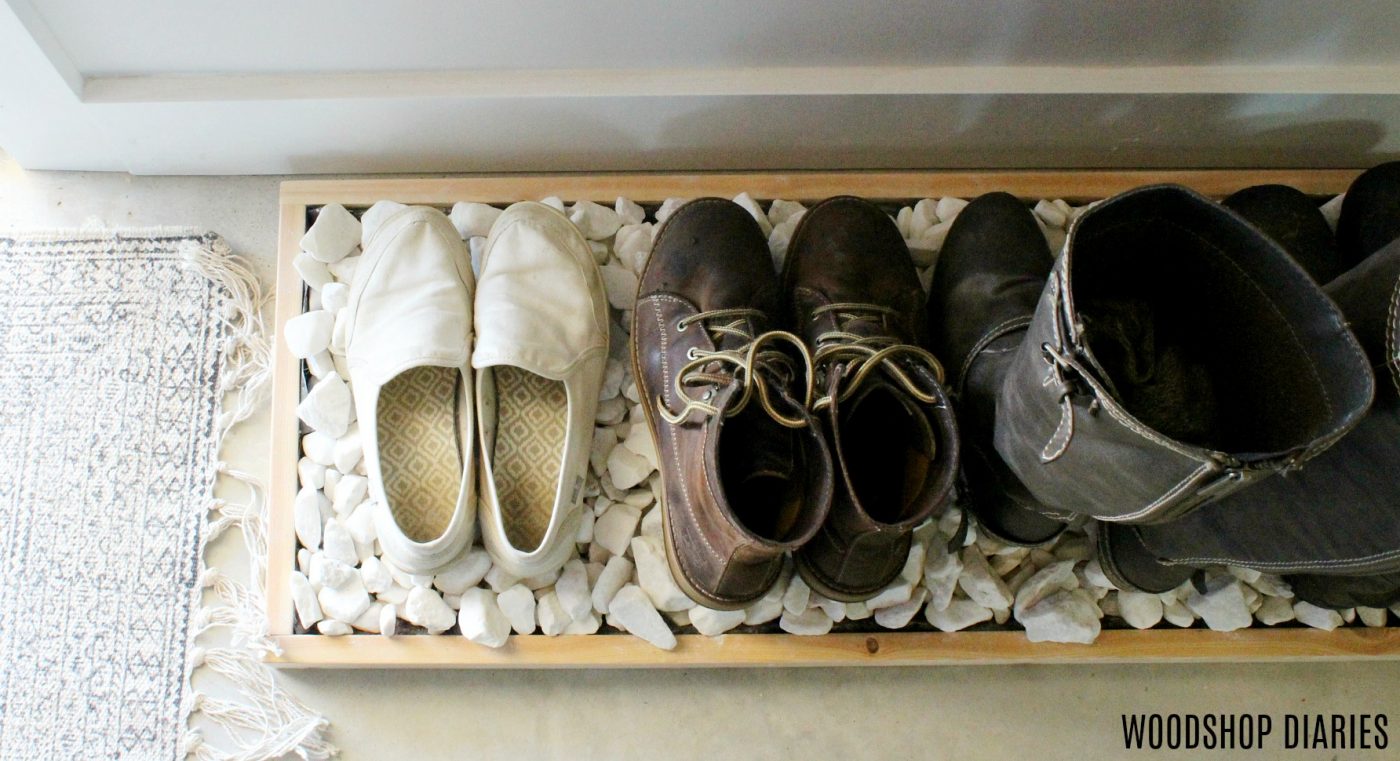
x: 1049, y: 712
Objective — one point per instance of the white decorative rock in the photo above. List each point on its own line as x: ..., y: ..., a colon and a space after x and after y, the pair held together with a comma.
x: 1223, y: 607
x: 948, y: 208
x: 309, y: 333
x: 335, y: 573
x: 630, y: 213
x: 481, y: 620
x: 668, y: 207
x: 306, y: 516
x: 349, y: 493
x: 767, y: 608
x: 615, y: 528
x: 712, y: 622
x: 315, y: 274
x: 584, y: 533
x: 654, y: 576
x: 348, y: 450
x: 957, y: 615
x: 633, y: 245
x: 466, y: 571
x: 1372, y: 617
x: 375, y: 216
x: 925, y: 216
x: 321, y: 364
x: 304, y: 601
x: 361, y: 524
x: 980, y: 584
x: 375, y: 576
x: 345, y: 603
x: 1139, y: 609
x: 813, y: 622
x: 595, y: 221
x: 1064, y: 616
x: 797, y: 595
x: 640, y: 442
x: 899, y: 616
x: 369, y: 620
x: 1272, y: 586
x: 615, y: 575
x: 428, y: 610
x: 589, y: 624
x: 1332, y: 210
x: 1274, y: 610
x: 897, y: 593
x: 834, y: 609
x: 473, y: 220
x: 344, y: 270
x: 332, y: 628
x: 621, y: 286
x: 339, y: 545
x: 389, y: 620
x: 572, y: 589
x: 626, y: 467
x: 603, y: 442
x: 541, y: 581
x: 328, y: 408
x: 476, y: 246
x: 499, y: 579
x: 518, y: 606
x: 1093, y: 576
x: 1317, y: 618
x: 746, y: 202
x: 611, y: 411
x: 1177, y: 614
x: 914, y: 564
x: 941, y: 577
x: 1050, y: 214
x: 311, y: 473
x: 333, y: 235
x: 781, y: 211
x: 858, y: 611
x: 552, y: 617
x: 632, y: 608
x: 1048, y: 580
x: 923, y: 248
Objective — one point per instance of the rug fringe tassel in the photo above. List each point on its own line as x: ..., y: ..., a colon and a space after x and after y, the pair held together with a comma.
x: 269, y: 722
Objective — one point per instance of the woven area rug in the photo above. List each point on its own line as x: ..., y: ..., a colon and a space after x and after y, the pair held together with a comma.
x: 118, y: 352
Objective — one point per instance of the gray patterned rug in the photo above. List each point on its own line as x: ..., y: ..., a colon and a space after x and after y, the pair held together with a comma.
x: 116, y: 352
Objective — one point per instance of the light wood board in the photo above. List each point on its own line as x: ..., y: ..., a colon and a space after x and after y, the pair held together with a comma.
x: 885, y: 648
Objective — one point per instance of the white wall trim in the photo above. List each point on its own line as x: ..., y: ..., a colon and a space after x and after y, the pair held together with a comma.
x: 847, y: 80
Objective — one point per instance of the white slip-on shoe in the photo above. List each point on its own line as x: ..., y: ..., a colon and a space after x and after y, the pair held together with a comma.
x: 541, y: 347
x: 408, y: 344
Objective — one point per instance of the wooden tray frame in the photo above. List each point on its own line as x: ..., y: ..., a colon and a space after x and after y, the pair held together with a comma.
x: 883, y: 648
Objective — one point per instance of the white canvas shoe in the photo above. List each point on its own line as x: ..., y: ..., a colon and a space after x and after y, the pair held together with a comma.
x: 408, y: 344
x: 541, y: 347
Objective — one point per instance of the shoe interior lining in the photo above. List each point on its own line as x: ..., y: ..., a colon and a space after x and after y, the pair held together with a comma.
x: 1194, y: 347
x: 420, y: 450
x: 761, y: 465
x: 532, y: 421
x: 888, y: 453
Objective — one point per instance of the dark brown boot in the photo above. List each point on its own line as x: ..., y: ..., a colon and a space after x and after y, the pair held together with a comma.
x: 855, y: 298
x: 746, y: 475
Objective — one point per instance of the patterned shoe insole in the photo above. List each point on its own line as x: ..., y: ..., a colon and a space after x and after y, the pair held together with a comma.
x: 531, y: 424
x: 420, y: 451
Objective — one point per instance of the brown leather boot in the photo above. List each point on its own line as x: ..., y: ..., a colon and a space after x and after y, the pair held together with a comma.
x: 854, y: 297
x: 745, y: 474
